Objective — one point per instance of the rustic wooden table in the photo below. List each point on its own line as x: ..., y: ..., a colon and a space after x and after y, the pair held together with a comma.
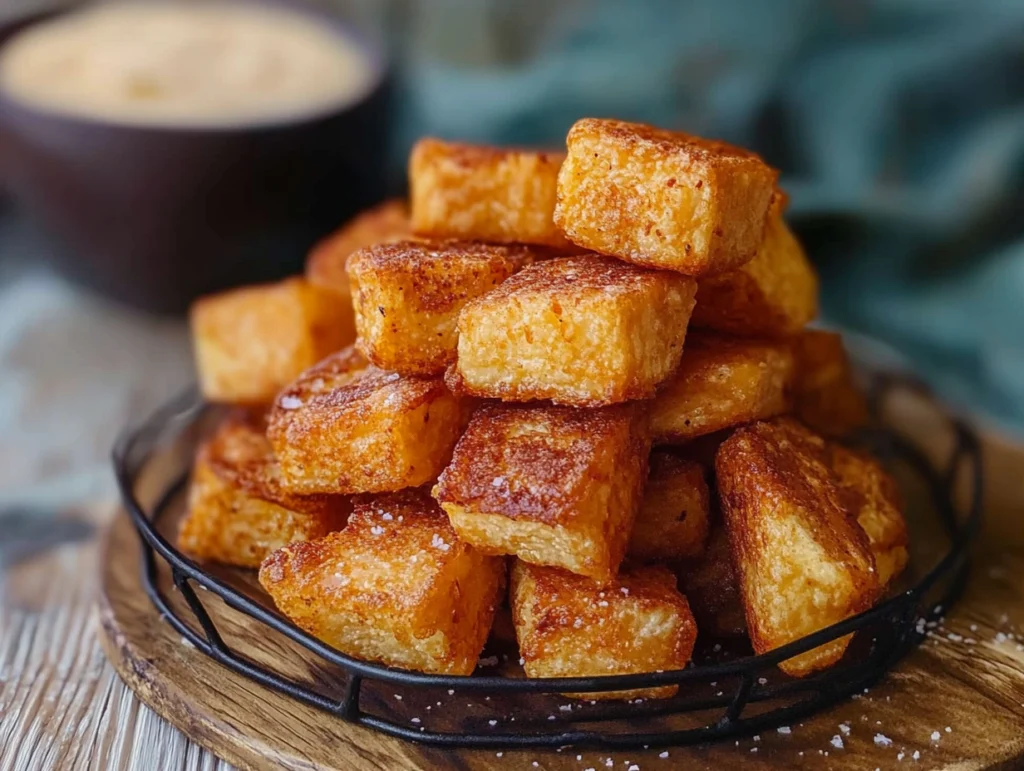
x: 71, y: 372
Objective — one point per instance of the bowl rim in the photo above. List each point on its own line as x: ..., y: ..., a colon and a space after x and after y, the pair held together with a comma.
x: 373, y: 51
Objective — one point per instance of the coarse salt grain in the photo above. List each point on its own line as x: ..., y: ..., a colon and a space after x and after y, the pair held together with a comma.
x: 844, y: 728
x: 415, y: 720
x: 882, y: 740
x: 663, y: 754
x: 492, y: 722
x: 289, y: 402
x: 936, y: 736
x: 949, y: 730
x: 837, y: 742
x: 785, y: 730
x: 916, y: 755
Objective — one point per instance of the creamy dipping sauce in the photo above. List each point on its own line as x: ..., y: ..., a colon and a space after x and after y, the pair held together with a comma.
x: 184, y: 64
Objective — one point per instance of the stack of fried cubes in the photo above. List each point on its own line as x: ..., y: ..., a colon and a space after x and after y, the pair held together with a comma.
x: 586, y: 373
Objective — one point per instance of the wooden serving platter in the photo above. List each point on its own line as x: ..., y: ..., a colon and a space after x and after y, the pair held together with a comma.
x: 956, y: 702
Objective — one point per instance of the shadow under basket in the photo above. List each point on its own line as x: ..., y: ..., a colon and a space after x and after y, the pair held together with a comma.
x: 727, y: 691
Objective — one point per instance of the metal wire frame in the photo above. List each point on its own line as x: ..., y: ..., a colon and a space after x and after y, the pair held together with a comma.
x: 898, y: 623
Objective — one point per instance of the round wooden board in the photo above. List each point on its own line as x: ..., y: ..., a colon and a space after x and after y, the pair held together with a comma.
x: 969, y: 676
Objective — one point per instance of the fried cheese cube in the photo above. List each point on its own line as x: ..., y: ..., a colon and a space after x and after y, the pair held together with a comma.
x: 672, y: 523
x: 713, y: 590
x: 237, y: 511
x: 569, y: 626
x: 484, y: 193
x: 663, y: 199
x: 407, y: 296
x: 722, y: 382
x: 878, y: 506
x: 803, y: 561
x: 396, y: 586
x: 325, y: 266
x: 552, y: 485
x: 583, y: 330
x: 251, y: 342
x: 347, y: 427
x: 773, y: 295
x: 825, y: 395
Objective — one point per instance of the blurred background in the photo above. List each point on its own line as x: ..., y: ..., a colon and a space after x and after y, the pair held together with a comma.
x: 898, y: 126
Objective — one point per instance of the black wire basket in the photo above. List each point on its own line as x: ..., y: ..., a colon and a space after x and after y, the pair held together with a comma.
x: 726, y: 691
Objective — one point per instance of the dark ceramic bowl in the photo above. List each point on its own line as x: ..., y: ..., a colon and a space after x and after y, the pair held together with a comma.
x: 154, y: 216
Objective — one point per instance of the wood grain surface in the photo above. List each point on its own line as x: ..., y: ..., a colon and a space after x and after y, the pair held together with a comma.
x: 957, y: 702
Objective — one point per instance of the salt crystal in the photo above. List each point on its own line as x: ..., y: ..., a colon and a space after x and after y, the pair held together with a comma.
x: 762, y: 680
x: 398, y: 697
x: 916, y: 755
x: 1000, y: 637
x: 899, y: 755
x: 415, y: 720
x: 882, y: 740
x: 492, y: 722
x: 785, y: 730
x: 289, y: 402
x: 949, y: 730
x: 844, y: 728
x: 663, y: 754
x: 386, y: 517
x: 837, y: 742
x: 936, y: 736
x: 497, y: 481
x: 439, y: 543
x: 187, y: 642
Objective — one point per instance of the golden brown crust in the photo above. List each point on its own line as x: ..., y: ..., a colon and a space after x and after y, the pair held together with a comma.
x: 396, y: 586
x: 326, y: 263
x: 673, y: 520
x: 713, y: 590
x: 583, y: 330
x: 347, y: 427
x: 825, y: 394
x: 238, y: 511
x: 663, y: 199
x: 554, y: 485
x: 568, y: 626
x: 722, y: 382
x: 484, y: 193
x: 773, y: 295
x: 804, y: 562
x: 878, y: 505
x: 407, y: 296
x: 251, y: 342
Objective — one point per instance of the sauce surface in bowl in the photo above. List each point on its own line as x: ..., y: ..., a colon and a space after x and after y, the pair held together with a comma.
x: 220, y: 63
